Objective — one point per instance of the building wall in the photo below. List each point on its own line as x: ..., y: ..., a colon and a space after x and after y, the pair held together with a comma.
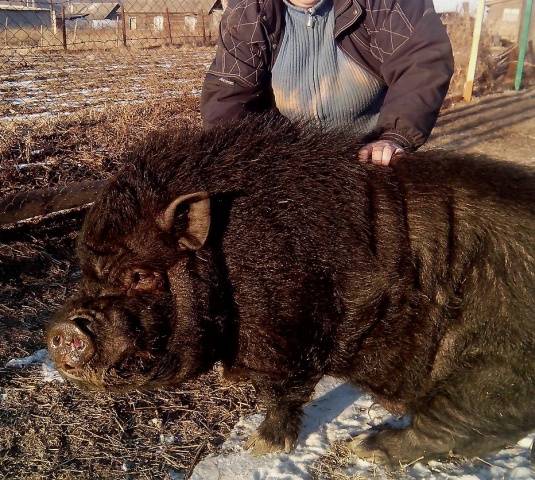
x: 98, y: 24
x: 83, y: 24
x: 504, y: 18
x: 24, y: 18
x: 182, y: 24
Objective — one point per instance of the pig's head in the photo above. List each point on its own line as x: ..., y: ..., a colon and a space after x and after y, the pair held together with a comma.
x: 137, y: 320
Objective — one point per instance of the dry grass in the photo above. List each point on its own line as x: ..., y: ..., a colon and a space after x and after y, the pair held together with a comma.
x: 78, y: 121
x: 82, y: 146
x: 65, y: 433
x: 53, y: 430
x: 41, y: 85
x: 334, y: 465
x: 337, y: 463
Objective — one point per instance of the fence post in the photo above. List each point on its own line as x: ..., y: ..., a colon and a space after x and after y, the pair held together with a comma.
x: 167, y: 14
x: 470, y: 75
x: 53, y: 17
x: 523, y: 43
x: 124, y: 23
x: 117, y: 31
x: 64, y: 27
x: 203, y: 29
x: 5, y: 33
x: 75, y: 31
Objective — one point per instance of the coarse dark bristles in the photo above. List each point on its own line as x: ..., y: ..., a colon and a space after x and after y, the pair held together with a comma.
x: 56, y: 431
x: 267, y: 246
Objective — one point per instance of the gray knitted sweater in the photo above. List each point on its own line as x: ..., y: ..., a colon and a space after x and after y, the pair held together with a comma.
x: 313, y: 79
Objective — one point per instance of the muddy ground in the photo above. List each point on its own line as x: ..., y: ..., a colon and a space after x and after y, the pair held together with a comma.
x: 50, y: 429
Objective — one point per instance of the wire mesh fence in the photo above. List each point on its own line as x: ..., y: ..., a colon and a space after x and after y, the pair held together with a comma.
x: 57, y: 56
x: 54, y: 25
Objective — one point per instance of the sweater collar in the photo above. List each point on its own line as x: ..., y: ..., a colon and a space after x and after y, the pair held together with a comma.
x: 320, y: 8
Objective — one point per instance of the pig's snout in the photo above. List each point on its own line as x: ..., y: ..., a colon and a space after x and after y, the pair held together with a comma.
x: 70, y: 344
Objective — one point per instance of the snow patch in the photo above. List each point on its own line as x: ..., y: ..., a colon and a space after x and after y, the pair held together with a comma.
x: 48, y: 371
x: 174, y: 475
x: 167, y: 439
x: 37, y: 357
x: 337, y: 413
x: 19, y: 83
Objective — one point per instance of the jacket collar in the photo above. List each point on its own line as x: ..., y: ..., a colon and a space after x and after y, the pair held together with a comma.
x: 346, y: 13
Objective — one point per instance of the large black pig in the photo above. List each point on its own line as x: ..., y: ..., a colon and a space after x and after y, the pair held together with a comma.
x: 269, y: 248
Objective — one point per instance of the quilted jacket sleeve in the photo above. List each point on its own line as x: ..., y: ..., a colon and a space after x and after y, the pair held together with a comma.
x: 416, y: 64
x: 238, y: 80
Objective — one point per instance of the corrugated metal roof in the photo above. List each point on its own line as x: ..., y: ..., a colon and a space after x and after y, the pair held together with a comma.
x: 92, y: 11
x: 100, y: 10
x: 19, y: 8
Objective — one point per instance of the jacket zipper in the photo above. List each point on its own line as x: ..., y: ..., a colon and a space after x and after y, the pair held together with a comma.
x: 311, y: 21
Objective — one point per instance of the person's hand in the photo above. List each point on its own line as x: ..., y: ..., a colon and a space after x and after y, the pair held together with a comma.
x: 379, y: 152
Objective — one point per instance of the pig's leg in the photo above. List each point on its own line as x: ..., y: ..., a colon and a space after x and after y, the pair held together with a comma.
x: 396, y: 448
x: 472, y: 414
x: 280, y: 429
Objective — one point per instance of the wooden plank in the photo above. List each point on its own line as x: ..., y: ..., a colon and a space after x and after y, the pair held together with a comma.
x: 35, y: 203
x: 471, y: 73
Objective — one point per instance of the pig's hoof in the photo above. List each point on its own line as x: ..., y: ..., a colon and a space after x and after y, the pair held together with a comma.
x: 361, y: 447
x: 258, y: 445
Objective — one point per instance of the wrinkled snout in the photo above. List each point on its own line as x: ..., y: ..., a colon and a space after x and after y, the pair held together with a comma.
x: 70, y: 344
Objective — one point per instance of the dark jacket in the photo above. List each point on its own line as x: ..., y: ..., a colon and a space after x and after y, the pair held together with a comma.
x: 403, y: 42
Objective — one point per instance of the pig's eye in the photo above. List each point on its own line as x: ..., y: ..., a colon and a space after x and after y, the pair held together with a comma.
x: 144, y: 281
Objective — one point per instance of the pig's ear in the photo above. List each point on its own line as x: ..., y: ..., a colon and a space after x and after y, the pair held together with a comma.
x: 195, y: 233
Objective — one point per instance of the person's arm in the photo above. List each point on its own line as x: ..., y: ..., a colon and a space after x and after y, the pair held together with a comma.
x: 417, y: 72
x: 237, y: 81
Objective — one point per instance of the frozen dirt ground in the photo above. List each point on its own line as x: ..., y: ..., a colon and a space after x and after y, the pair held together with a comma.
x: 51, y: 430
x: 44, y: 85
x: 501, y: 125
